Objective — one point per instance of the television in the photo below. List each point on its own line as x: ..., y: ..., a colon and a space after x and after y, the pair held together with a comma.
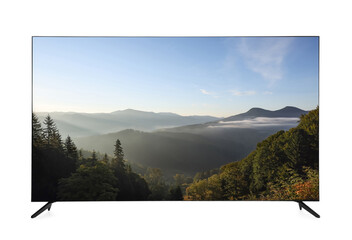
x: 175, y: 119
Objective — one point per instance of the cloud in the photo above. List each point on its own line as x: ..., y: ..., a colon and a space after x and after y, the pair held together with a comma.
x: 205, y: 92
x: 267, y: 93
x: 265, y: 56
x: 242, y: 93
x: 258, y: 123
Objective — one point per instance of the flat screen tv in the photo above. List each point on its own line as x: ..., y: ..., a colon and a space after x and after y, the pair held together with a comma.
x: 175, y: 118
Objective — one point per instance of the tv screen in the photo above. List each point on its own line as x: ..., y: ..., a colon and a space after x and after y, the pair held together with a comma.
x: 175, y: 118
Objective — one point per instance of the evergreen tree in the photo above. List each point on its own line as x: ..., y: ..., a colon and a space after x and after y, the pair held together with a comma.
x: 57, y: 141
x: 91, y: 161
x: 118, y: 152
x: 118, y: 160
x: 49, y: 161
x: 94, y: 156
x: 52, y: 136
x: 37, y: 131
x: 105, y: 158
x: 49, y: 129
x: 70, y: 148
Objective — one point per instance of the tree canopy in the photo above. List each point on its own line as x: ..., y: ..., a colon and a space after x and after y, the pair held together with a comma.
x: 283, y: 167
x: 60, y: 172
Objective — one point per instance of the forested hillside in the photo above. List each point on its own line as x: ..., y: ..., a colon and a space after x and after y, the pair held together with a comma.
x: 200, y: 147
x: 179, y: 152
x: 282, y: 167
x: 60, y: 172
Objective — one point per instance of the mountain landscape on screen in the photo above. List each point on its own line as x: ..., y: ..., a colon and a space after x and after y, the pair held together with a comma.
x: 175, y: 118
x: 86, y: 124
x: 199, y: 147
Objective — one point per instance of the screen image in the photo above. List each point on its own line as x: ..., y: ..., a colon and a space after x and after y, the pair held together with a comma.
x: 175, y: 118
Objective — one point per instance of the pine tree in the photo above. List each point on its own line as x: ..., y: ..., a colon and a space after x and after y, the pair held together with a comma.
x: 94, y: 156
x: 37, y: 131
x: 119, y: 155
x: 70, y: 148
x: 106, y: 158
x: 118, y: 160
x: 57, y: 141
x: 52, y: 136
x: 49, y: 129
x: 92, y: 161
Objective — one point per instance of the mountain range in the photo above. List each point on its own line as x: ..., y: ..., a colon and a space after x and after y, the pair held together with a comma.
x: 196, y: 147
x: 286, y: 112
x: 86, y: 124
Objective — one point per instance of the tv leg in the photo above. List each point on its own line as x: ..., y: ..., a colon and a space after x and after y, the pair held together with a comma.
x: 308, y: 209
x: 45, y: 207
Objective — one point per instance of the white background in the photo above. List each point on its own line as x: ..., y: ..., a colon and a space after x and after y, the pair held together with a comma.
x: 19, y: 20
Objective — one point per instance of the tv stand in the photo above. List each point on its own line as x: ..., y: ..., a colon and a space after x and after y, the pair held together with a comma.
x: 300, y: 203
x: 303, y: 205
x: 45, y: 207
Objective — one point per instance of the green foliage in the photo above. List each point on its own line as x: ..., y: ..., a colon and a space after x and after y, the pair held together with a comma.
x: 81, y: 175
x: 118, y: 152
x: 188, y: 152
x: 310, y: 123
x: 105, y: 158
x: 49, y: 161
x: 139, y: 187
x: 155, y: 179
x: 296, y: 187
x: 203, y: 175
x: 70, y: 149
x: 180, y: 179
x: 175, y: 193
x: 206, y: 189
x: 298, y: 149
x: 131, y: 185
x: 233, y: 183
x: 52, y: 136
x: 37, y: 132
x: 283, y: 167
x: 82, y: 153
x: 89, y: 183
x: 267, y: 159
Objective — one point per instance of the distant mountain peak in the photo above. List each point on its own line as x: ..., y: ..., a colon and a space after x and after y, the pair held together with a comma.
x: 285, y: 108
x: 288, y: 111
x: 288, y: 107
x: 255, y: 108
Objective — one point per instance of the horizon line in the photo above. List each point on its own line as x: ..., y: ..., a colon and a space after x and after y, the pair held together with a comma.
x: 146, y: 111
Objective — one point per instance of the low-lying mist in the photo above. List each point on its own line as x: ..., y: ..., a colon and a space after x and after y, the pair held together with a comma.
x: 259, y: 122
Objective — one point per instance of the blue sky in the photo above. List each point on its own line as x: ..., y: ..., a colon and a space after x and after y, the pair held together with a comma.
x: 219, y: 76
